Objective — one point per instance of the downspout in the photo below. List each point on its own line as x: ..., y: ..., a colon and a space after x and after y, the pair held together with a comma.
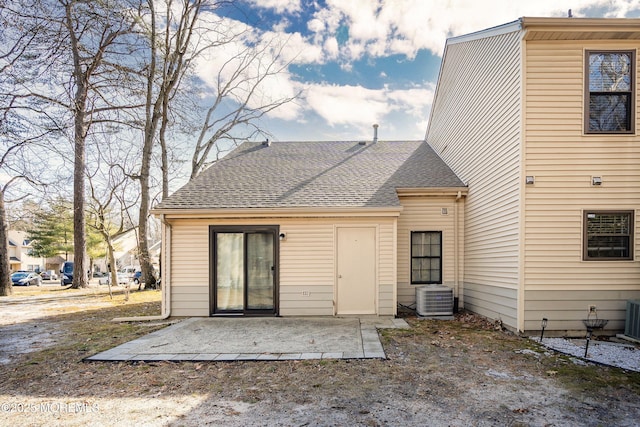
x: 166, y: 279
x: 456, y: 237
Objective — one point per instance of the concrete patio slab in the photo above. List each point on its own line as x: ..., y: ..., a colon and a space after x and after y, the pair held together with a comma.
x: 233, y: 339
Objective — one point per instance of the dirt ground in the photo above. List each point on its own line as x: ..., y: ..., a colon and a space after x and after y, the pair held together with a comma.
x: 464, y: 372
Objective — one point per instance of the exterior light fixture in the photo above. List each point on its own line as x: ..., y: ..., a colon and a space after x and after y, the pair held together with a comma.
x: 530, y: 180
x: 283, y: 236
x: 544, y: 325
x: 596, y: 180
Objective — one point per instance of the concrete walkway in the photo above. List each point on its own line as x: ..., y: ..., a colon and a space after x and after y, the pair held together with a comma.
x: 258, y: 338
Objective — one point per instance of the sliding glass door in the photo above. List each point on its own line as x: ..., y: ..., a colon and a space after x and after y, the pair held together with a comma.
x: 244, y: 270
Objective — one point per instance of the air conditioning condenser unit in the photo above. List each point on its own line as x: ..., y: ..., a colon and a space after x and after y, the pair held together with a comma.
x: 434, y: 300
x: 632, y: 323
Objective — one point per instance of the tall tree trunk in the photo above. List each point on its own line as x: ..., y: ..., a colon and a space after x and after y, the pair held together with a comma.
x: 152, y: 115
x: 80, y: 78
x: 79, y: 232
x: 143, y: 219
x: 113, y: 277
x: 163, y: 147
x: 6, y: 287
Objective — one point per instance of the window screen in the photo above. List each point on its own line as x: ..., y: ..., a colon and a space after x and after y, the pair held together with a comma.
x: 610, y: 92
x: 608, y: 235
x: 426, y: 257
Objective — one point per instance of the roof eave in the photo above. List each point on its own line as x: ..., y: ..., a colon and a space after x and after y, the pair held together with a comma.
x: 509, y: 27
x: 616, y: 28
x: 308, y: 212
x: 437, y: 191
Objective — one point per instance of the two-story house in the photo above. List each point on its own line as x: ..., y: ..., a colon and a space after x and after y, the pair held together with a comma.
x: 523, y: 198
x: 539, y: 117
x: 20, y: 253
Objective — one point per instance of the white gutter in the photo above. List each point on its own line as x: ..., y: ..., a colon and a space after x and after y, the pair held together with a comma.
x: 456, y: 237
x: 166, y: 280
x: 306, y: 212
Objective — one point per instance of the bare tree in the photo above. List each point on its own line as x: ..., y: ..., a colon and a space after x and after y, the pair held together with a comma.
x: 171, y: 52
x: 14, y: 126
x: 77, y: 65
x: 93, y: 29
x: 240, y: 83
x: 111, y: 198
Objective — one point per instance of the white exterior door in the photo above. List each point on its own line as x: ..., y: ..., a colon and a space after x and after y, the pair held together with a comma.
x: 356, y: 275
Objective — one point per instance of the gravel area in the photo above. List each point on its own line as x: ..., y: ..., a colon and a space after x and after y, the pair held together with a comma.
x: 621, y: 355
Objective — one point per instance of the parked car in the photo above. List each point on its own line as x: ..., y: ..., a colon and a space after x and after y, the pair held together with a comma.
x: 26, y: 279
x: 66, y: 273
x: 17, y: 276
x: 122, y: 278
x: 45, y: 275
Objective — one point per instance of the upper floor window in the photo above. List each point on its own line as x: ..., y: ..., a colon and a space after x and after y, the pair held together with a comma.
x: 608, y: 235
x: 426, y: 257
x: 609, y: 92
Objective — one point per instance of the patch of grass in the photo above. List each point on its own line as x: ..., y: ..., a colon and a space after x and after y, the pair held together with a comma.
x: 84, y: 333
x: 591, y: 378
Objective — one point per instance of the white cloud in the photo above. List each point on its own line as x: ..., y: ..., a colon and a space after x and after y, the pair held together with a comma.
x: 359, y: 106
x: 331, y: 48
x: 380, y: 28
x: 315, y: 25
x: 346, y: 104
x: 279, y: 6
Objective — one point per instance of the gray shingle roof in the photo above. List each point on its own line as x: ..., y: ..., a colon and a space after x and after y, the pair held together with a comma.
x: 314, y: 174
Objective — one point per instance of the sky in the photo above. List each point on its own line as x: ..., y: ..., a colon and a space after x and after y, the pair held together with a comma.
x: 360, y: 62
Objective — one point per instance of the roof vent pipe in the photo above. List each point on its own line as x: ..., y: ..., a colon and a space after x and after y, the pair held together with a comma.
x: 375, y: 133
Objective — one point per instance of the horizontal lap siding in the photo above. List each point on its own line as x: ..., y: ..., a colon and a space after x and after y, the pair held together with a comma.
x: 387, y: 268
x: 425, y: 214
x: 189, y: 269
x: 565, y: 308
x: 475, y: 126
x: 558, y: 284
x: 493, y: 302
x: 307, y: 264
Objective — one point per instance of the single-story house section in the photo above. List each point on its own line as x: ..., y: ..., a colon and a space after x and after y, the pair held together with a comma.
x: 312, y: 228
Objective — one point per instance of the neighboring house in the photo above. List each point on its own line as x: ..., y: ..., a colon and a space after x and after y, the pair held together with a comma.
x: 312, y: 228
x: 125, y: 252
x: 539, y: 117
x: 19, y: 250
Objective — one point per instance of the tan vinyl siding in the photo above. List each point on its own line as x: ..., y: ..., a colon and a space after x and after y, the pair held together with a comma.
x: 565, y: 309
x: 494, y: 302
x: 475, y: 126
x: 307, y: 263
x: 189, y: 269
x: 425, y: 214
x: 558, y: 284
